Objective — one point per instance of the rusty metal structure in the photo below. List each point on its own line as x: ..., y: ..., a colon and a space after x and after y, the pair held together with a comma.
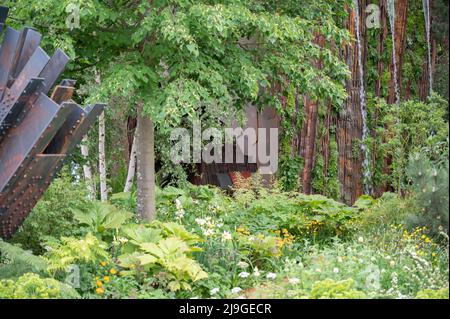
x: 36, y: 131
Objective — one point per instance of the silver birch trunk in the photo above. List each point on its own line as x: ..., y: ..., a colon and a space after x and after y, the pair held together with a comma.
x: 131, y: 166
x: 102, y: 158
x: 87, y: 172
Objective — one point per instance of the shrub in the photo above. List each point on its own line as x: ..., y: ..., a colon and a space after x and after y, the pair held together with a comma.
x: 433, y: 294
x: 430, y: 184
x: 330, y: 289
x: 164, y: 251
x: 14, y: 261
x: 31, y: 286
x: 68, y: 251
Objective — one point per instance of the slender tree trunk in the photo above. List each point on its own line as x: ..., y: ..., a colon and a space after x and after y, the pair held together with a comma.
x: 326, y: 141
x: 131, y: 167
x: 87, y: 172
x: 145, y: 168
x: 401, y: 14
x: 102, y: 158
x: 381, y: 47
x: 308, y: 134
x: 308, y: 143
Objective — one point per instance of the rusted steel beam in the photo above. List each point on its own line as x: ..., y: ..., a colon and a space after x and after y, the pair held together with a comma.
x: 19, y: 201
x: 54, y: 69
x: 63, y: 92
x: 76, y: 126
x: 7, y: 55
x: 31, y: 136
x: 14, y: 107
x: 28, y: 44
x: 11, y: 115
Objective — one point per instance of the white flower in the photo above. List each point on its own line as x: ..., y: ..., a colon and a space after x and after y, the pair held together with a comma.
x: 294, y: 281
x: 242, y: 264
x: 178, y: 204
x: 243, y: 274
x: 340, y: 259
x: 180, y: 213
x: 360, y: 239
x: 318, y: 270
x: 200, y: 221
x: 214, y: 291
x: 208, y: 232
x: 236, y: 290
x: 392, y: 263
x: 226, y: 235
x: 256, y: 272
x: 336, y: 270
x: 271, y: 275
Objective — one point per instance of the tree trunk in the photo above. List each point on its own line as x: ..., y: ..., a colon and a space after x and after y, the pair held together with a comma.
x: 381, y: 47
x: 87, y: 172
x: 326, y: 141
x: 145, y: 168
x: 349, y: 122
x: 102, y: 158
x: 401, y: 14
x: 308, y: 143
x: 131, y: 167
x: 308, y: 134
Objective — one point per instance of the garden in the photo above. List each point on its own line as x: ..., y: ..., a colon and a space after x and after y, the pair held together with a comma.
x: 356, y: 208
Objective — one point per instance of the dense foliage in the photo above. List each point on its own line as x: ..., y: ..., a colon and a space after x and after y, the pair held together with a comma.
x: 207, y: 244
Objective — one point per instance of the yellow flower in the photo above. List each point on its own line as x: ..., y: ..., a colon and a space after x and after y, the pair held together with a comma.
x: 427, y: 240
x: 99, y: 291
x: 434, y: 254
x: 106, y: 278
x: 99, y: 283
x: 113, y: 271
x: 103, y: 263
